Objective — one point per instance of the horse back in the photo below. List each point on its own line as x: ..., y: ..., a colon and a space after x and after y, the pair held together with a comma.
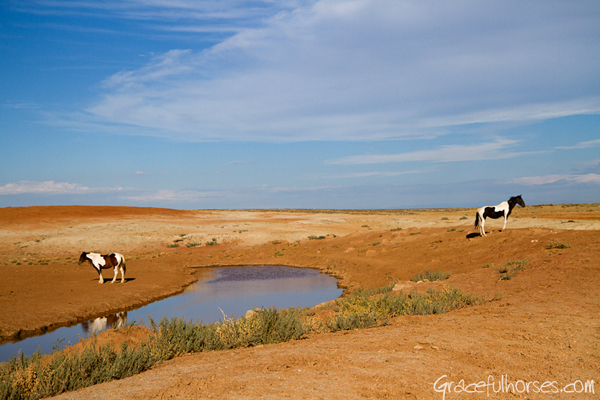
x: 494, y: 211
x: 115, y: 259
x: 111, y: 260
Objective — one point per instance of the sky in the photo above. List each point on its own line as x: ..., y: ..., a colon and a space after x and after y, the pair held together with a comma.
x: 330, y: 104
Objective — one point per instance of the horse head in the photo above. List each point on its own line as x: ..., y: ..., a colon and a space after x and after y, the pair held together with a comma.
x: 520, y: 200
x: 83, y: 257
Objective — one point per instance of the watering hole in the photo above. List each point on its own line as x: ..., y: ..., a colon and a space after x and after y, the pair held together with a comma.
x: 219, y: 293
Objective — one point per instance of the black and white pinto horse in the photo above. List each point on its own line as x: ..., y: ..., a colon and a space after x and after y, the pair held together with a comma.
x: 100, y: 262
x: 501, y: 210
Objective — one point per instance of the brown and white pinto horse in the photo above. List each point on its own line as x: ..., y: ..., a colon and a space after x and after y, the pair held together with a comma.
x: 501, y: 210
x: 100, y: 262
x: 110, y: 321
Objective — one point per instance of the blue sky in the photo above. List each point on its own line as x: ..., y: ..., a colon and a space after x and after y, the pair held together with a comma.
x: 299, y: 103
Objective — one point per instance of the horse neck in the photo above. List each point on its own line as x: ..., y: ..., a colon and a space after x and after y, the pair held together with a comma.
x: 512, y: 202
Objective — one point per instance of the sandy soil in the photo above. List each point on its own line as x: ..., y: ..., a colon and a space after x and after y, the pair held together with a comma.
x: 545, y: 328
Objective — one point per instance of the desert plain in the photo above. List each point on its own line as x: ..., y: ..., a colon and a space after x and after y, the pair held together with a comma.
x: 542, y: 326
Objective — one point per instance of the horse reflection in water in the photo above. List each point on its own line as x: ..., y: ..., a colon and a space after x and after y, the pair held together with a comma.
x: 111, y: 321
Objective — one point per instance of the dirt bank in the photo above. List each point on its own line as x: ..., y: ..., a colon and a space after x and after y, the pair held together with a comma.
x: 545, y: 328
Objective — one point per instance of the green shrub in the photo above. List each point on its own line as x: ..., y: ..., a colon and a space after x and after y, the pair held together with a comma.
x: 508, y: 271
x: 32, y: 378
x: 365, y: 308
x: 431, y: 276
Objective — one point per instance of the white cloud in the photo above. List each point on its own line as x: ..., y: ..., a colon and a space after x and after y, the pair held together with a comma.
x: 366, y: 70
x: 582, y: 145
x: 51, y: 188
x: 160, y: 10
x: 296, y: 189
x: 548, y: 179
x: 20, y: 106
x: 241, y: 162
x: 173, y: 196
x: 375, y: 174
x: 451, y: 153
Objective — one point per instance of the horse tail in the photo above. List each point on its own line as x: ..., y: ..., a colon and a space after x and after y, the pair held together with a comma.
x: 120, y: 260
x: 477, y: 219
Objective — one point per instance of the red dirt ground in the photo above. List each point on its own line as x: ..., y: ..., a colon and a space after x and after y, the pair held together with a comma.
x: 545, y: 328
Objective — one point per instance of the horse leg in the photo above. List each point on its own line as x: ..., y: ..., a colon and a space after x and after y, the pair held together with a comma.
x: 123, y: 269
x: 101, y: 280
x: 481, y: 226
x: 504, y: 227
x: 116, y: 272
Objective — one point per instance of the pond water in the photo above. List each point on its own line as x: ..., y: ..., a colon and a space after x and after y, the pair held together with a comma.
x: 229, y: 291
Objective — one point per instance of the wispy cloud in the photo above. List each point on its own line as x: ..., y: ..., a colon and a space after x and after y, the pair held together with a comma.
x: 20, y: 106
x: 173, y: 196
x: 51, y: 188
x: 376, y: 174
x: 581, y: 145
x: 206, y: 11
x: 359, y: 70
x: 296, y: 189
x: 451, y: 153
x: 241, y: 162
x: 548, y: 179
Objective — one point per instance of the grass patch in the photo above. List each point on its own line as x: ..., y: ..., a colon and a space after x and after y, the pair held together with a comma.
x: 558, y: 245
x: 192, y: 244
x: 38, y: 376
x: 314, y: 237
x: 509, y: 270
x: 213, y: 242
x: 374, y: 307
x: 431, y: 276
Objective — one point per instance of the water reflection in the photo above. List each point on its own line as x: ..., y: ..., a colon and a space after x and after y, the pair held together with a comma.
x: 234, y: 290
x: 110, y: 321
